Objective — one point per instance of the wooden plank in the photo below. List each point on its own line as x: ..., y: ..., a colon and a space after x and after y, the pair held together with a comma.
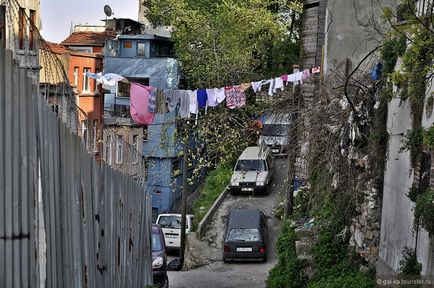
x: 9, y: 98
x: 17, y: 93
x: 58, y: 211
x: 25, y: 187
x: 3, y: 72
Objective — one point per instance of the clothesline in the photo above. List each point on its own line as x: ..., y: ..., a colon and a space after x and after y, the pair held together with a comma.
x: 146, y: 101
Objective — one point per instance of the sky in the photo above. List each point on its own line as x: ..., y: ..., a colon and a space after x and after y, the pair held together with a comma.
x: 57, y: 15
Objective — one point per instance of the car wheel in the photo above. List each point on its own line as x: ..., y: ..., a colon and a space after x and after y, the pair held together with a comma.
x: 268, y: 190
x: 166, y: 282
x: 225, y: 260
x: 233, y: 193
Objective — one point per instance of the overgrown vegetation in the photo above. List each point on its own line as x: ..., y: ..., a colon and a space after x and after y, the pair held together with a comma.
x: 409, y: 265
x: 337, y: 265
x: 289, y: 271
x: 215, y: 183
x: 424, y: 210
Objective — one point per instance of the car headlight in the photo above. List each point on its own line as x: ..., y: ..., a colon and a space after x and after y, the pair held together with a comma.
x: 157, y: 263
x: 235, y: 183
x: 260, y: 183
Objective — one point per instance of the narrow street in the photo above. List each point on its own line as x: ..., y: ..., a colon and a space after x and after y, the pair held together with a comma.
x: 204, y: 258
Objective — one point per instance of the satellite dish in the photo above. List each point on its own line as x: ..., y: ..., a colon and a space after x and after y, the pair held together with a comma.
x: 108, y: 10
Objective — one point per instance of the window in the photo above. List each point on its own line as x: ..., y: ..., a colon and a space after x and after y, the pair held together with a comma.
x: 108, y: 150
x: 135, y: 149
x: 95, y: 83
x: 176, y: 168
x: 119, y: 149
x: 162, y: 49
x: 82, y: 49
x: 244, y: 235
x: 171, y: 222
x: 141, y: 49
x: 85, y: 79
x: 128, y: 44
x: 84, y: 133
x: 123, y: 89
x: 250, y: 165
x: 32, y: 30
x: 21, y: 27
x: 3, y: 26
x: 76, y: 76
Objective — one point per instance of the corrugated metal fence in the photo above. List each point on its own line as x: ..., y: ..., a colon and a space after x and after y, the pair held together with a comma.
x: 97, y: 221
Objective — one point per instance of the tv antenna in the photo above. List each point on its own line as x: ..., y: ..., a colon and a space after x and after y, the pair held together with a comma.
x: 108, y: 11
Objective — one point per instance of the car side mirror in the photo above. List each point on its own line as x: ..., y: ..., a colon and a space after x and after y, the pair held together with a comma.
x: 174, y: 265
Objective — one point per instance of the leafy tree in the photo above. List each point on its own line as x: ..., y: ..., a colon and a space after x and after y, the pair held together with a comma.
x: 227, y: 42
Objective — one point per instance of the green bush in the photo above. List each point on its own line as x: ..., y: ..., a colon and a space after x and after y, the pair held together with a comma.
x: 345, y: 280
x: 330, y: 254
x: 409, y: 264
x: 215, y: 183
x: 289, y: 271
x: 424, y: 210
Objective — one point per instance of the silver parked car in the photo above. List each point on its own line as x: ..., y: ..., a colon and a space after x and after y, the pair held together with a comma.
x: 253, y: 172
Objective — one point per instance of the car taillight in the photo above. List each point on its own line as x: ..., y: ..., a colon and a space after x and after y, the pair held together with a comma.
x: 262, y: 250
x: 227, y: 249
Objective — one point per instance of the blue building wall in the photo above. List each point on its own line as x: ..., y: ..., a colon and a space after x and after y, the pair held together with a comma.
x: 162, y: 147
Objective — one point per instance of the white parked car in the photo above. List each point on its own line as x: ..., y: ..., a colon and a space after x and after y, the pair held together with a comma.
x: 170, y: 223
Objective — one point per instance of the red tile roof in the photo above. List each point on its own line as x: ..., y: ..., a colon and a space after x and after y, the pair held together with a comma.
x: 88, y: 38
x: 56, y: 48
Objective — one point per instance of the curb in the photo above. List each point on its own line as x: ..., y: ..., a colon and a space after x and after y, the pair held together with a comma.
x: 203, y: 225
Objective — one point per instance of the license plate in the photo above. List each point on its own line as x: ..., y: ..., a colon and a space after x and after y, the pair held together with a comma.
x: 246, y: 189
x: 275, y: 150
x: 244, y: 249
x: 170, y: 236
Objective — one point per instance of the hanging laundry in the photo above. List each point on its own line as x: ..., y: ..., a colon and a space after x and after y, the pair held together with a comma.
x: 244, y: 86
x: 160, y: 102
x: 172, y: 98
x: 306, y: 74
x: 193, y: 101
x: 219, y: 94
x: 211, y: 97
x: 184, y: 106
x: 376, y: 71
x: 235, y: 98
x: 109, y: 79
x: 256, y: 86
x: 284, y: 78
x: 299, y: 77
x: 278, y: 84
x: 316, y: 69
x: 139, y: 101
x: 152, y: 100
x: 271, y: 88
x: 202, y: 98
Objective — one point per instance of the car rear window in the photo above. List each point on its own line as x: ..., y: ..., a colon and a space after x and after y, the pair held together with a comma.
x: 172, y: 222
x: 250, y: 165
x: 157, y: 245
x: 244, y: 235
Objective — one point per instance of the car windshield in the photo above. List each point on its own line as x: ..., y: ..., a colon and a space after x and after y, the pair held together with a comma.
x: 275, y: 130
x: 156, y: 243
x: 172, y: 222
x: 250, y: 165
x: 244, y: 235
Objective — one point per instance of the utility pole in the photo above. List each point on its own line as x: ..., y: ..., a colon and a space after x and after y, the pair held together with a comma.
x: 184, y: 191
x: 293, y: 144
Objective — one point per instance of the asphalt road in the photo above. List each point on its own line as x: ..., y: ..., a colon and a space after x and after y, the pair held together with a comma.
x: 207, y: 254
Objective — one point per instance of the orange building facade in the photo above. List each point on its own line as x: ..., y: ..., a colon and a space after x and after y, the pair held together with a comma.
x: 86, y: 55
x: 89, y: 98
